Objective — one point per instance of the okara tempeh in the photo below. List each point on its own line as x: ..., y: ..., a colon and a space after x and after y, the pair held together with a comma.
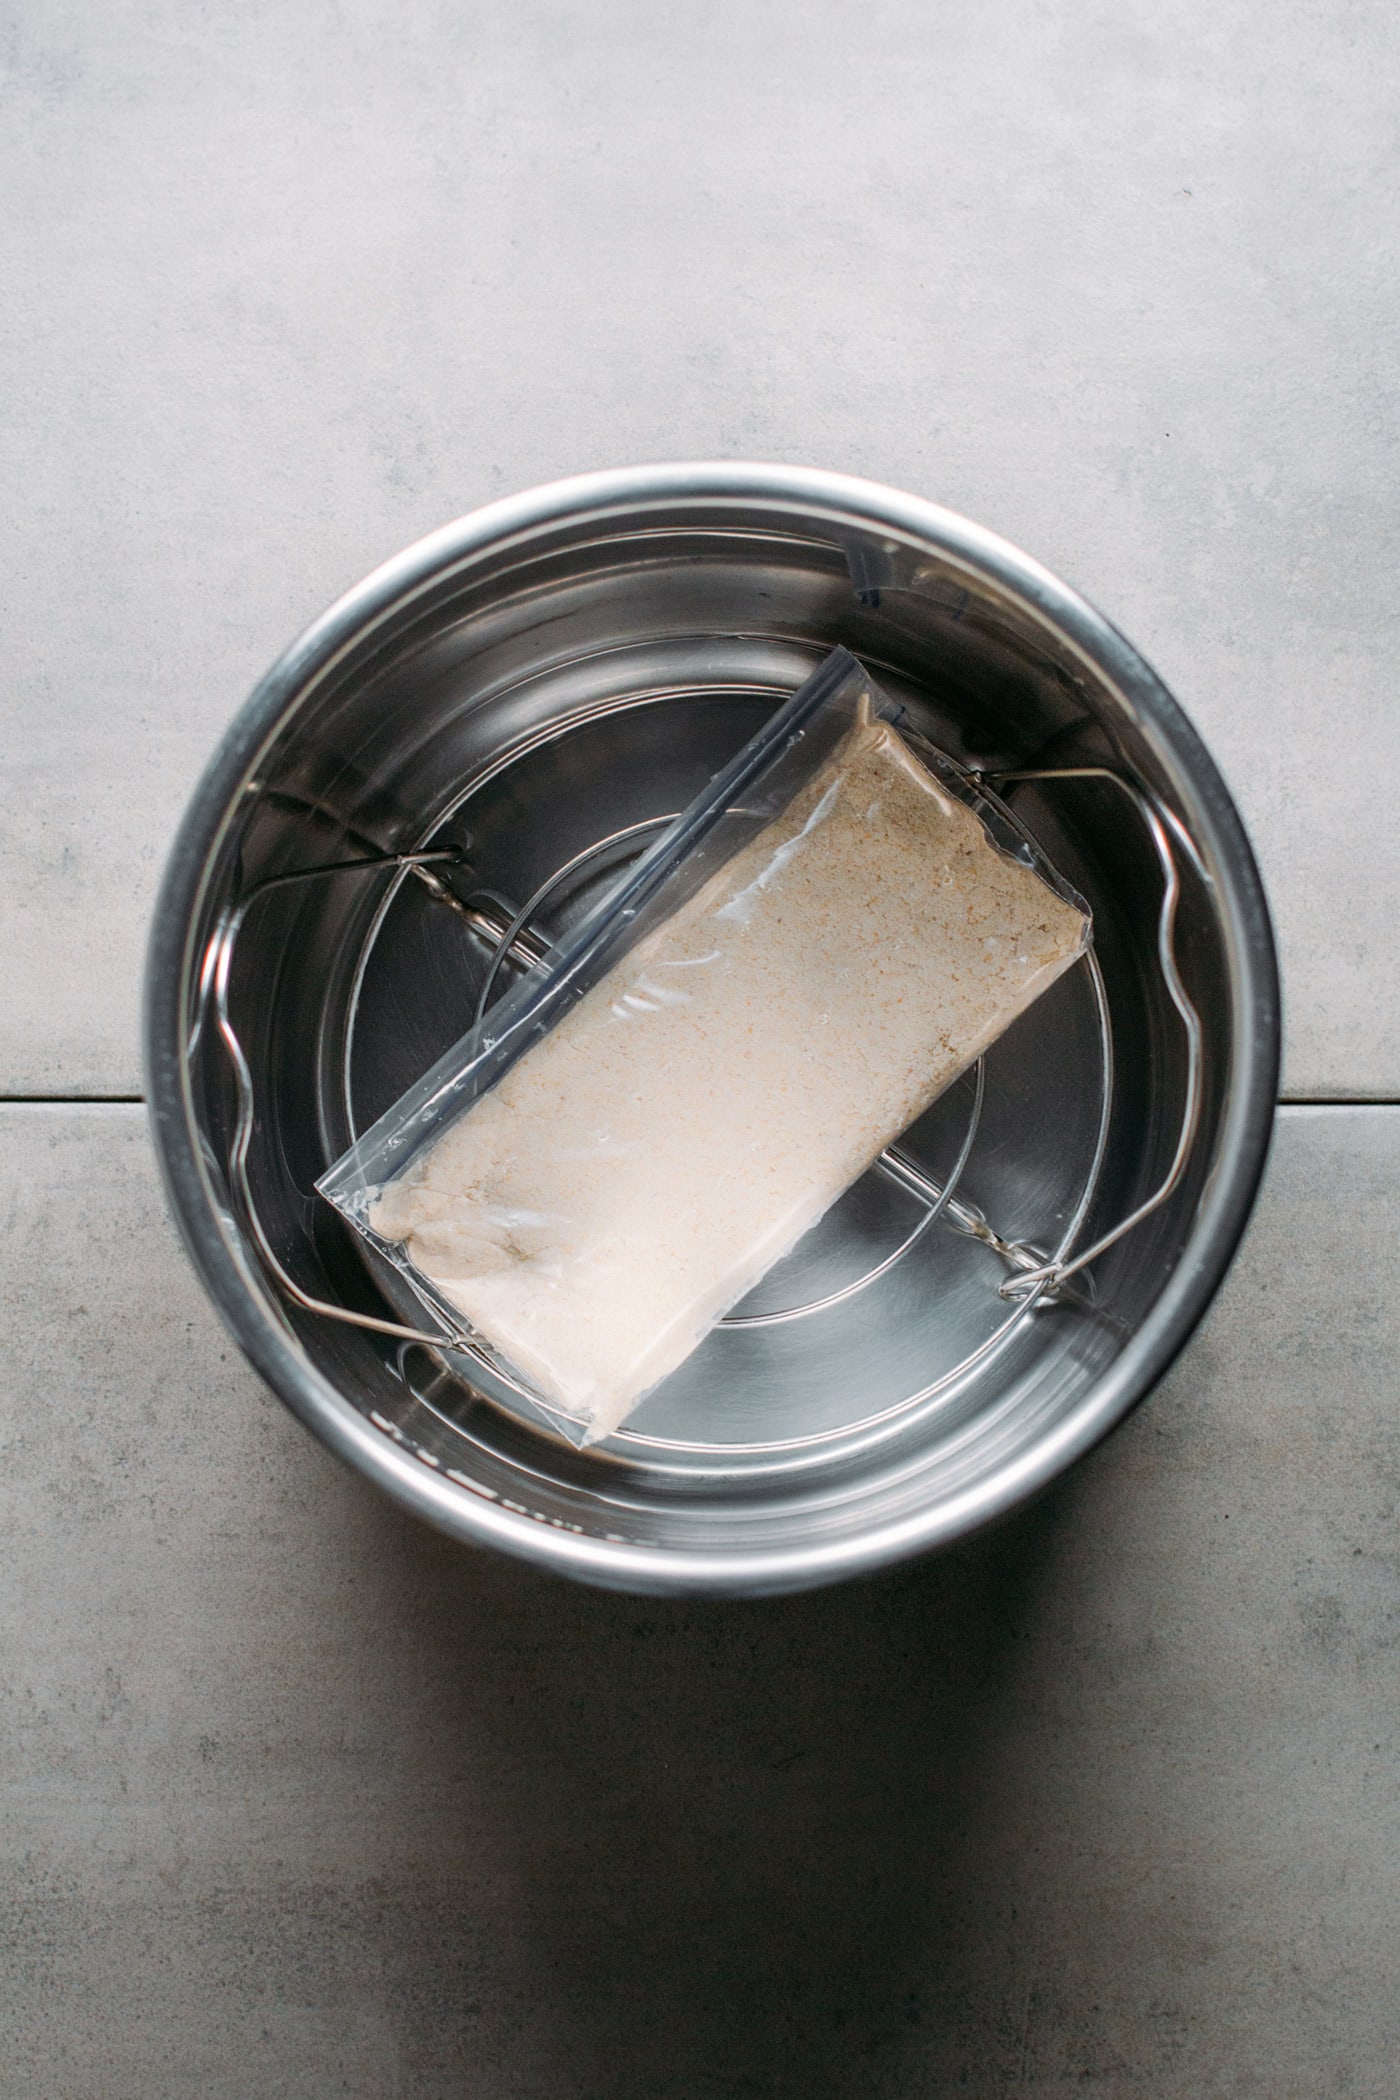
x: 641, y: 1167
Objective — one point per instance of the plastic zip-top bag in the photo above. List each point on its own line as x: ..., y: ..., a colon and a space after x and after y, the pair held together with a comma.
x: 629, y: 1140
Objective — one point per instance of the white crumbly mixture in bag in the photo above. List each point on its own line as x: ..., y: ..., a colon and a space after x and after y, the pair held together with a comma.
x: 639, y: 1169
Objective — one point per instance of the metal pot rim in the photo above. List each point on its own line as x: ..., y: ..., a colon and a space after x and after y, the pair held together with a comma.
x: 1245, y: 1131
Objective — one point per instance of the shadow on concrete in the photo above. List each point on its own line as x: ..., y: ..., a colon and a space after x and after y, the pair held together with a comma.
x: 751, y: 1842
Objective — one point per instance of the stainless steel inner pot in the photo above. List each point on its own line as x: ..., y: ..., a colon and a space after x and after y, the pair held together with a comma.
x: 544, y: 676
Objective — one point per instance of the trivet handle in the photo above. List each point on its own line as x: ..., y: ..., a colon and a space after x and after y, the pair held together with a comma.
x: 214, y: 983
x: 1162, y: 826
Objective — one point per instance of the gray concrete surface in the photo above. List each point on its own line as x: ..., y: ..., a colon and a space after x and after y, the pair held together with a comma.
x: 296, y: 1799
x: 287, y: 286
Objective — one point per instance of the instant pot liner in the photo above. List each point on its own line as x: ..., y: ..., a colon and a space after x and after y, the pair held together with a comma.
x: 427, y: 797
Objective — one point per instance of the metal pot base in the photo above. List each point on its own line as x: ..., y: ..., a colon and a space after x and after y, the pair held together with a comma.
x: 849, y: 1341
